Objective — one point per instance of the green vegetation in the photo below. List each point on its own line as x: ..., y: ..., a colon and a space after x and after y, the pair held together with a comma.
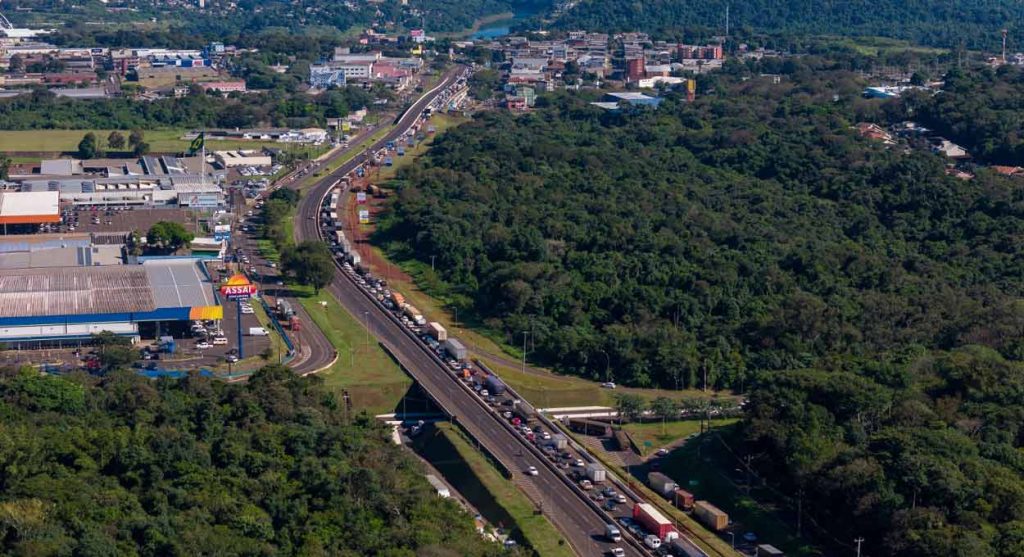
x: 373, y: 379
x: 978, y: 109
x: 168, y: 236
x: 660, y: 435
x: 537, y: 531
x: 928, y: 22
x: 160, y: 141
x: 310, y: 263
x: 708, y: 468
x: 126, y: 465
x: 868, y: 301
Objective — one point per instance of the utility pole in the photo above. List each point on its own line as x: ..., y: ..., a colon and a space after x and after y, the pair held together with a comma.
x: 726, y: 22
x: 524, y: 352
x: 432, y: 263
x: 858, y: 541
x: 366, y: 314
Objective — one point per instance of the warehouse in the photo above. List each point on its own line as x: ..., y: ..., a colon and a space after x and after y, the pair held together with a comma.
x: 18, y: 207
x: 48, y: 306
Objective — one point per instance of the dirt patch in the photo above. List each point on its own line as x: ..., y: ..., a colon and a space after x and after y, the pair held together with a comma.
x: 359, y: 234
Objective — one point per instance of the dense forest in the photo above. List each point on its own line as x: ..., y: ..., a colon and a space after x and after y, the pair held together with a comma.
x: 238, y: 22
x: 868, y: 302
x: 974, y: 23
x: 43, y: 110
x: 123, y: 465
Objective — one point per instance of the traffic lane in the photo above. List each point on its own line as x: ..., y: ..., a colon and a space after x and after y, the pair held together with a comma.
x: 573, y: 516
x: 554, y: 490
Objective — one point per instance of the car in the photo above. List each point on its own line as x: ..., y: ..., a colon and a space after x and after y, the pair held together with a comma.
x: 203, y: 345
x: 620, y: 498
x: 218, y: 340
x: 617, y: 552
x: 662, y: 452
x: 532, y: 471
x: 608, y: 385
x: 247, y: 311
x: 484, y: 393
x: 545, y: 436
x: 652, y: 541
x: 231, y: 358
x: 750, y: 537
x: 609, y: 504
x: 507, y: 415
x: 578, y: 463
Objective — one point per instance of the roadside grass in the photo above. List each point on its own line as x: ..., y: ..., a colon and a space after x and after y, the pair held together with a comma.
x: 268, y: 251
x: 703, y: 468
x: 355, y: 151
x: 537, y: 531
x: 660, y: 435
x: 373, y: 379
x: 160, y: 141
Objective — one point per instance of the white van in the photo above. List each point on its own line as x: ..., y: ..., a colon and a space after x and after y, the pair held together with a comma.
x: 257, y: 332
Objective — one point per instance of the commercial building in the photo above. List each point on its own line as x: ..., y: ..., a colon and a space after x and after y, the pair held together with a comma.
x: 229, y: 159
x: 237, y: 86
x: 29, y: 207
x: 68, y: 304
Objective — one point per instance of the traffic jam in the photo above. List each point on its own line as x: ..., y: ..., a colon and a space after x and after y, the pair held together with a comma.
x: 650, y: 528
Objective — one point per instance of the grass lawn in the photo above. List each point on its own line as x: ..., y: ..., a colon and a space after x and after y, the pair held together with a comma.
x: 375, y: 382
x: 535, y: 529
x: 268, y: 251
x: 706, y: 468
x: 659, y: 435
x: 160, y: 141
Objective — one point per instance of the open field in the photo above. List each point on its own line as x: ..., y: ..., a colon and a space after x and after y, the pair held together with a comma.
x: 160, y: 141
x: 533, y: 528
x: 659, y: 435
x: 375, y: 382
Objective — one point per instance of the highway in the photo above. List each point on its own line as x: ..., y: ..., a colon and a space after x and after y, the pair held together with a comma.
x: 577, y: 517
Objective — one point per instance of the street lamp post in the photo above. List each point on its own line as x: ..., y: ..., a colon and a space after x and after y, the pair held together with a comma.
x: 859, y: 541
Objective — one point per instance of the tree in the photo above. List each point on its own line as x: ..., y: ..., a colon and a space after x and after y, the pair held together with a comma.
x: 169, y: 236
x: 114, y: 350
x: 115, y: 140
x: 16, y: 65
x: 664, y: 408
x: 89, y: 147
x: 141, y: 148
x: 5, y: 167
x: 310, y: 263
x: 629, y: 406
x: 135, y: 137
x: 289, y: 196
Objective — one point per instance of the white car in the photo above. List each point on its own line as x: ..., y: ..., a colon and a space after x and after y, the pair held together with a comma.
x: 617, y: 552
x: 220, y: 340
x: 247, y: 310
x: 652, y: 541
x: 532, y: 470
x: 203, y: 345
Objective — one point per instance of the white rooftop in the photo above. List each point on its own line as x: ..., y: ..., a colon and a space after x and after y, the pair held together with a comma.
x: 29, y: 203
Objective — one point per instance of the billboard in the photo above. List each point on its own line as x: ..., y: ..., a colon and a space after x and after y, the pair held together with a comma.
x: 364, y: 216
x: 361, y: 197
x: 238, y: 287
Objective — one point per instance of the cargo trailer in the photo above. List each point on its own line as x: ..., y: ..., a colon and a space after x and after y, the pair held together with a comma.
x: 438, y: 332
x: 710, y: 516
x: 652, y: 520
x: 596, y: 472
x: 455, y: 349
x: 661, y: 483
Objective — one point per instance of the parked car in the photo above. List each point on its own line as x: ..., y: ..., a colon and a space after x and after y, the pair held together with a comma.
x: 203, y: 345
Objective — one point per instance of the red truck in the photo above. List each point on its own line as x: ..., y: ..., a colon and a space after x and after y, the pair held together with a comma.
x: 652, y: 520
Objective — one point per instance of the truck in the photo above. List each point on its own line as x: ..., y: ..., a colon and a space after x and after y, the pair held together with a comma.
x: 652, y: 520
x: 494, y: 385
x: 683, y: 499
x: 355, y: 257
x: 391, y: 145
x: 612, y: 532
x: 596, y: 472
x: 455, y: 349
x: 559, y: 441
x: 522, y: 411
x: 661, y: 483
x: 284, y: 309
x: 398, y: 299
x: 410, y: 310
x: 711, y: 516
x: 438, y: 332
x: 768, y: 550
x: 388, y: 161
x: 257, y: 332
x: 401, y: 152
x: 294, y: 324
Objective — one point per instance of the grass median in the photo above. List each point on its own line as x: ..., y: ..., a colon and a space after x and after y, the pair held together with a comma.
x: 373, y: 379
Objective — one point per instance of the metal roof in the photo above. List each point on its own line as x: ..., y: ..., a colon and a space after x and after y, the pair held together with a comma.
x: 53, y: 292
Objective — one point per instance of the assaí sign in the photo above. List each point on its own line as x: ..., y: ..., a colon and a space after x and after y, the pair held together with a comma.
x: 238, y: 287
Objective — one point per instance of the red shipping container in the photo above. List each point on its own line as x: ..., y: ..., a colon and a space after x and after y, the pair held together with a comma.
x: 652, y: 520
x: 683, y: 499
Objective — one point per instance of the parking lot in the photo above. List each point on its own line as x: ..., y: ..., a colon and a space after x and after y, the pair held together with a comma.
x: 120, y: 219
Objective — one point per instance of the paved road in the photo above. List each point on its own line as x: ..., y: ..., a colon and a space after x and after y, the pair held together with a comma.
x: 574, y: 515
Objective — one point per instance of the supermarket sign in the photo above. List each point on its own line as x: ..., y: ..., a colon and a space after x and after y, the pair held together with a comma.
x: 238, y: 287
